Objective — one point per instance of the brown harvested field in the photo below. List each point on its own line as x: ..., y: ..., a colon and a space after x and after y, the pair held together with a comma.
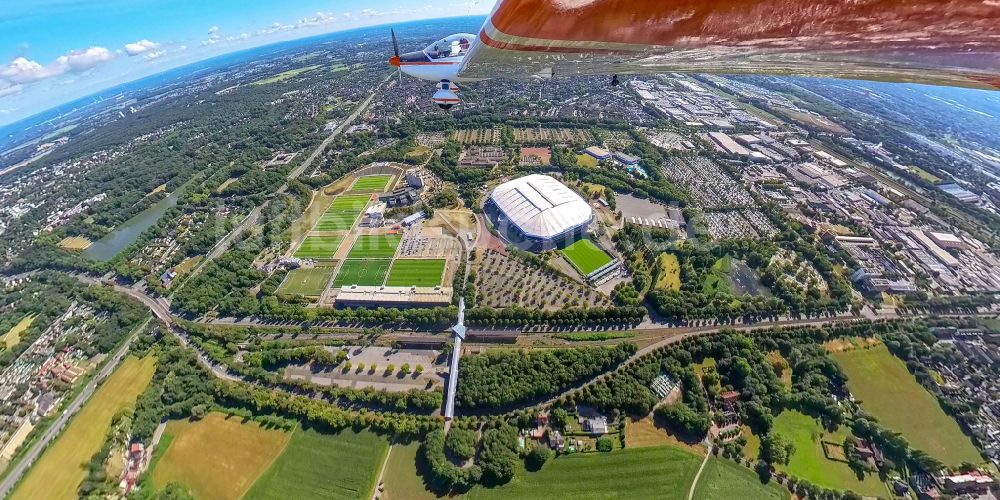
x: 645, y: 433
x: 463, y: 221
x: 503, y: 281
x: 75, y: 243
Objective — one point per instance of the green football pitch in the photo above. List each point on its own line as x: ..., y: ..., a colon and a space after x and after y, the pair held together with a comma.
x: 343, y: 211
x: 362, y: 272
x: 318, y: 247
x: 585, y: 256
x: 370, y: 183
x: 374, y: 246
x: 416, y: 272
x: 307, y: 282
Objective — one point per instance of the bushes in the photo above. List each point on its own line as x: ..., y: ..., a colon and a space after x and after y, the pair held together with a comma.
x: 446, y: 473
x: 461, y: 443
x: 498, y: 379
x: 604, y: 444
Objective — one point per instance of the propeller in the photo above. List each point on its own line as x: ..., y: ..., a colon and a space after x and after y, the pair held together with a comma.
x: 395, y: 52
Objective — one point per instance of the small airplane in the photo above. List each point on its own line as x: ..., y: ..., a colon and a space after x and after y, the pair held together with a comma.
x: 952, y: 43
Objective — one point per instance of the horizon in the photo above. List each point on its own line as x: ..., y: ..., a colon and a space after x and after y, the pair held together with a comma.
x: 46, y: 66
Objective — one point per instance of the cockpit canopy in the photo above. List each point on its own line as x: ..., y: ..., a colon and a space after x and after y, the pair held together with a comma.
x: 450, y: 46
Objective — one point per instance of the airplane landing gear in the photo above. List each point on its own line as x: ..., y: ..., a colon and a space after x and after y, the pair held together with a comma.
x: 445, y: 96
x: 614, y: 80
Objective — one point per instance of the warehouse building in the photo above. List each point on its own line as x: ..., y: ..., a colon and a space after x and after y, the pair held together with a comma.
x: 537, y: 212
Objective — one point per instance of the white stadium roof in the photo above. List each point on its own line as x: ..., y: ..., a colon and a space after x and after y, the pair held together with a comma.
x: 540, y: 206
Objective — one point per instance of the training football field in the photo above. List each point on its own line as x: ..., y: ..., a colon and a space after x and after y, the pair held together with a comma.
x: 362, y: 272
x: 585, y: 256
x: 318, y: 247
x: 307, y: 282
x: 371, y: 184
x: 375, y: 246
x: 343, y: 211
x: 416, y: 272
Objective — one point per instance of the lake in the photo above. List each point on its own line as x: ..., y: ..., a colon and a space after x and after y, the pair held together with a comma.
x: 107, y: 247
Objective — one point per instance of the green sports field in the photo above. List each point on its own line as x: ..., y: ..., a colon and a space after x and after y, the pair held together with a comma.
x: 585, y: 256
x: 416, y: 272
x: 318, y: 247
x: 318, y: 465
x: 362, y: 272
x: 809, y: 461
x: 375, y: 246
x: 371, y: 184
x: 664, y: 473
x: 726, y: 479
x: 888, y: 391
x: 342, y: 213
x: 307, y: 282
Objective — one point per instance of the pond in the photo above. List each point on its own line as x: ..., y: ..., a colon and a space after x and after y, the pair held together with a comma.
x: 107, y: 247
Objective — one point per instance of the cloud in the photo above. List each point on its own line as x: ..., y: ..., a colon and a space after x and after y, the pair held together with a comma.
x: 214, y: 30
x: 134, y: 49
x: 23, y: 70
x: 9, y: 88
x: 154, y: 54
x: 213, y: 36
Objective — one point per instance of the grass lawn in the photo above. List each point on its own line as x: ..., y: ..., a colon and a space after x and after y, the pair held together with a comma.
x: 586, y: 160
x: 318, y: 247
x: 362, y: 272
x: 415, y: 272
x: 888, y: 391
x: 752, y: 449
x: 669, y: 276
x: 718, y: 279
x: 374, y: 246
x: 61, y: 469
x: 786, y: 374
x: 307, y: 282
x: 663, y: 473
x: 280, y: 77
x: 75, y: 243
x: 342, y: 213
x: 218, y: 457
x: 585, y: 256
x: 925, y: 175
x: 726, y: 479
x: 401, y: 480
x: 810, y: 463
x: 187, y: 265
x: 13, y: 336
x: 371, y: 184
x: 320, y: 465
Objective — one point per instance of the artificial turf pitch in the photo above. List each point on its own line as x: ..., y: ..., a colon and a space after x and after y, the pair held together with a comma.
x: 415, y: 272
x: 318, y: 247
x: 375, y: 246
x: 370, y: 183
x: 585, y: 256
x: 362, y: 272
x: 342, y: 213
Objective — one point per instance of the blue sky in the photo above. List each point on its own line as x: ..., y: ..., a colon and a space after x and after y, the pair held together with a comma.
x: 54, y: 51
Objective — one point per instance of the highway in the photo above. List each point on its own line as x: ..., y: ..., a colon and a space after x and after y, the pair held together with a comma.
x: 21, y: 467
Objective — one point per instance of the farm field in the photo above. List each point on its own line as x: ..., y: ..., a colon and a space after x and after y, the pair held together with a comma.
x: 726, y: 479
x: 889, y: 392
x: 307, y: 282
x: 318, y: 247
x: 400, y: 478
x: 13, y: 336
x: 809, y: 461
x: 60, y: 470
x: 342, y: 213
x: 416, y: 272
x: 669, y: 277
x: 374, y: 246
x: 362, y: 272
x: 663, y: 472
x: 585, y: 256
x: 75, y: 243
x: 370, y: 183
x: 217, y: 457
x: 315, y: 465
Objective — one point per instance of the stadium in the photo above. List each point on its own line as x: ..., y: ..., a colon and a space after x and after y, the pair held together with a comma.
x: 537, y: 212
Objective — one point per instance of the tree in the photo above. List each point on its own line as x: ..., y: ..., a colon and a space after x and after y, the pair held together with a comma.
x: 198, y: 412
x: 537, y: 457
x: 418, y: 369
x: 405, y: 369
x: 604, y: 444
x: 776, y: 449
x: 461, y: 443
x: 684, y: 420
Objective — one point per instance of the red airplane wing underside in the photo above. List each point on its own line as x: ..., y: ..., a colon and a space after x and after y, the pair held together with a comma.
x: 944, y: 42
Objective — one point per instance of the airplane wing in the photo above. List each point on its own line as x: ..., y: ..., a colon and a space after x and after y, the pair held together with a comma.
x: 942, y: 42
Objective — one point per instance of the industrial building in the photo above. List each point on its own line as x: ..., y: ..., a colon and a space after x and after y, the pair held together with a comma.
x: 538, y: 212
x: 598, y: 152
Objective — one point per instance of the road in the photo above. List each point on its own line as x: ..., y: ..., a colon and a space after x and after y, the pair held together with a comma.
x: 254, y: 216
x: 21, y: 467
x: 694, y: 484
